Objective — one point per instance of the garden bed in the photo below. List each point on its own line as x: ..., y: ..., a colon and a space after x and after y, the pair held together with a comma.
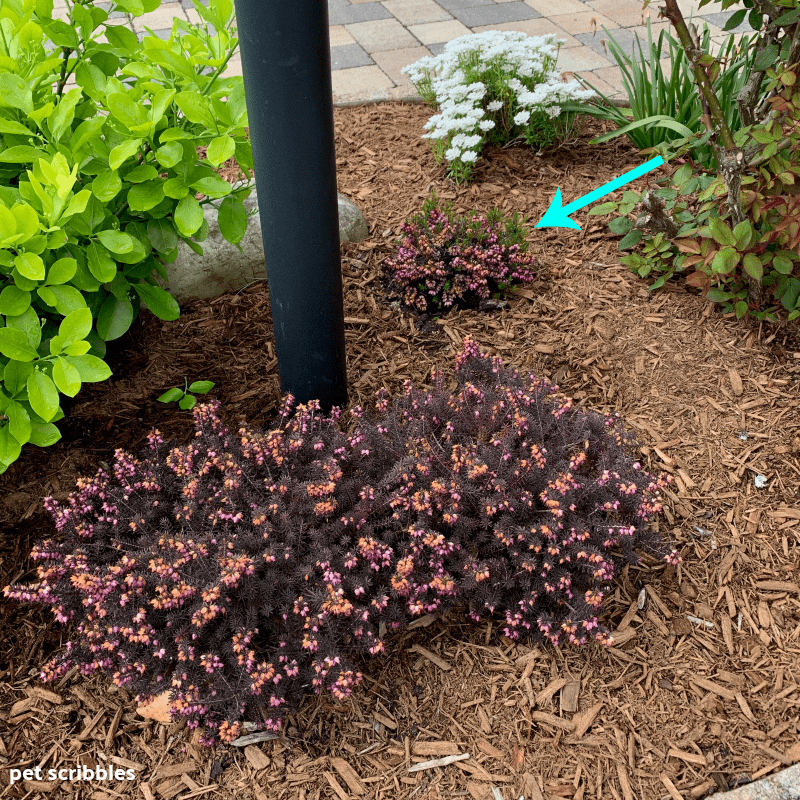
x: 675, y: 706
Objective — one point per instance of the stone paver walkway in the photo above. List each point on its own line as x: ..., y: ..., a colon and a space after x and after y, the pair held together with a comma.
x: 372, y: 40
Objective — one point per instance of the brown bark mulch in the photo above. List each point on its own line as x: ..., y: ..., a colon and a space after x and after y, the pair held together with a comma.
x: 701, y: 687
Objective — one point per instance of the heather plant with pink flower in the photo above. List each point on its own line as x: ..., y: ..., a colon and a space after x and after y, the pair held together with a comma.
x: 246, y: 568
x: 444, y: 260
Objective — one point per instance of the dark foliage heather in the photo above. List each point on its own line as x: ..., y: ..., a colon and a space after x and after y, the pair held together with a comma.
x: 244, y: 570
x: 443, y: 259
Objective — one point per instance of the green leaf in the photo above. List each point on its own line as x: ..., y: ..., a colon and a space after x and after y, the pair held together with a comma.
x: 15, y: 376
x: 66, y: 377
x: 620, y: 225
x: 721, y: 232
x: 753, y: 266
x: 62, y: 271
x: 160, y: 302
x: 66, y: 298
x: 91, y: 368
x: 19, y: 422
x: 169, y: 155
x: 188, y: 216
x: 725, y: 261
x: 195, y: 108
x: 92, y: 80
x: 188, y: 402
x: 788, y: 17
x: 121, y: 153
x: 176, y: 188
x: 75, y: 326
x: 115, y: 241
x: 30, y: 266
x: 114, y: 318
x: 42, y: 395
x: 220, y: 150
x: 736, y: 19
x: 741, y: 306
x: 106, y: 186
x: 22, y: 154
x: 101, y: 265
x: 162, y: 235
x: 77, y: 348
x: 14, y: 301
x: 603, y: 208
x: 201, y: 387
x: 631, y: 239
x: 212, y: 186
x: 43, y: 434
x: 26, y: 219
x: 121, y: 38
x: 171, y: 395
x: 718, y: 295
x: 9, y: 447
x: 743, y: 233
x: 232, y: 219
x: 29, y: 323
x: 142, y: 173
x: 16, y: 92
x: 782, y: 264
x: 766, y: 58
x: 145, y: 196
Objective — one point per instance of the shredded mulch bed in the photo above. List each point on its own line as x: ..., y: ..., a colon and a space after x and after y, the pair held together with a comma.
x: 699, y: 692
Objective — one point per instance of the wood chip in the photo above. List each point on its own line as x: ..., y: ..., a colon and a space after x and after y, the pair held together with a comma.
x: 691, y: 758
x: 172, y: 770
x: 736, y: 381
x: 336, y: 786
x: 556, y: 722
x: 584, y: 720
x: 670, y: 787
x: 438, y: 762
x: 432, y: 657
x: 549, y: 690
x: 489, y: 749
x: 349, y: 775
x: 434, y: 748
x: 710, y: 686
x: 530, y: 787
x: 569, y: 696
x: 257, y: 757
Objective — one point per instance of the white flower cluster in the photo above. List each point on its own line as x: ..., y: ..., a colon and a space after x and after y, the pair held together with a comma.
x: 494, y: 63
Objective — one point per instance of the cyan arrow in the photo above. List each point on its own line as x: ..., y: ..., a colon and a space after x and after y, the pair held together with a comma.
x: 557, y: 216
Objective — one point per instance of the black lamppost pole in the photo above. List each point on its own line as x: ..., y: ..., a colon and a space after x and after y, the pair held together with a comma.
x: 287, y: 78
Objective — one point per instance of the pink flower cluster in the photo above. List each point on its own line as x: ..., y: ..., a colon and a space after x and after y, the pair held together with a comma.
x: 442, y: 260
x: 243, y: 567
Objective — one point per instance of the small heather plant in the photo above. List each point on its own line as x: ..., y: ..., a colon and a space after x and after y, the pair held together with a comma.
x: 494, y: 87
x: 442, y: 259
x: 244, y: 569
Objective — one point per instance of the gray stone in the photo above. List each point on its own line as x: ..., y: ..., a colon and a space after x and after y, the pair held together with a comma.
x: 783, y: 785
x: 223, y: 268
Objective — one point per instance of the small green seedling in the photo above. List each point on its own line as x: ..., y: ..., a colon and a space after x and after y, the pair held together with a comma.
x: 185, y: 400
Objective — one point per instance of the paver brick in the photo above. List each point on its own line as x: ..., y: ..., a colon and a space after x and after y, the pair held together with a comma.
x: 359, y: 82
x: 384, y: 34
x: 582, y: 23
x: 365, y: 12
x: 624, y: 12
x: 547, y: 7
x: 348, y: 56
x: 338, y: 36
x: 491, y: 15
x: 392, y: 61
x: 610, y: 75
x: 416, y: 12
x: 625, y: 38
x: 534, y: 27
x: 579, y: 59
x: 432, y: 32
x: 453, y: 5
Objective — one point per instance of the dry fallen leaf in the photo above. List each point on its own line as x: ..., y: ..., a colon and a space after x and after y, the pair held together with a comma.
x: 157, y: 710
x: 736, y: 381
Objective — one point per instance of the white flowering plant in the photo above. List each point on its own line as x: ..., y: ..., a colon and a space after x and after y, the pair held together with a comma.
x: 494, y: 88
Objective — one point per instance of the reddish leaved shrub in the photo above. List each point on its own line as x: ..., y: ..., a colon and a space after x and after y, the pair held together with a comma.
x: 443, y: 259
x: 243, y: 568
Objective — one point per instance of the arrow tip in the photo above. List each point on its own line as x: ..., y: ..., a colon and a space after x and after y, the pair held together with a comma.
x: 556, y: 217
